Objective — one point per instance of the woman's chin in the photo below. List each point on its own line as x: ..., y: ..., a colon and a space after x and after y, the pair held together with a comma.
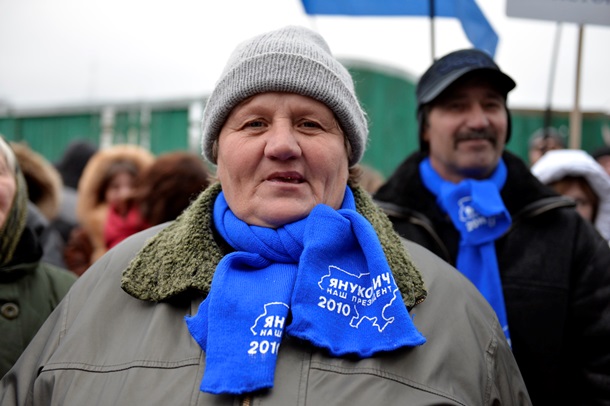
x: 278, y: 215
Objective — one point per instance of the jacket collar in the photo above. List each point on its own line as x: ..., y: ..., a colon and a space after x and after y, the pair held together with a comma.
x: 184, y: 255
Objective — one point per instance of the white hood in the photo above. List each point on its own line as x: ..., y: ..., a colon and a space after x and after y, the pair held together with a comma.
x: 557, y: 164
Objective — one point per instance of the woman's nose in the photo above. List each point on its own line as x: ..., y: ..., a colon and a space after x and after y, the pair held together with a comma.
x: 282, y: 142
x: 125, y: 192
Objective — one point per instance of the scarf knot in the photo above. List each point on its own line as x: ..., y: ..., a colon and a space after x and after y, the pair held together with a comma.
x: 278, y: 245
x: 328, y: 271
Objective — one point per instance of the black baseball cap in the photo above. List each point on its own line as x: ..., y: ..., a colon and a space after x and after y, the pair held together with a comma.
x: 451, y: 67
x: 447, y: 70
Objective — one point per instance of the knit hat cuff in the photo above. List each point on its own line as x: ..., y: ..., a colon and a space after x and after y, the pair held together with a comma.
x: 291, y: 73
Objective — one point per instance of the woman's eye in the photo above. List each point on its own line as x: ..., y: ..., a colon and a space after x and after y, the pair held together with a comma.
x: 310, y: 124
x: 254, y: 124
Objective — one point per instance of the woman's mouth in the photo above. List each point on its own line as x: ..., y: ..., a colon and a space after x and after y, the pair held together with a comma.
x: 285, y: 177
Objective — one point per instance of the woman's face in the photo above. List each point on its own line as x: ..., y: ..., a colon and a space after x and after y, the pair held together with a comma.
x: 119, y: 191
x: 584, y: 205
x: 279, y: 155
x: 8, y: 188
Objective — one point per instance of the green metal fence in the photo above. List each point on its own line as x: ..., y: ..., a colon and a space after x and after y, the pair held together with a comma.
x: 387, y: 95
x: 49, y: 135
x: 169, y: 131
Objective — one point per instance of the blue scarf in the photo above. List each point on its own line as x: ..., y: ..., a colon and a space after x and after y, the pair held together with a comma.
x: 328, y: 271
x: 478, y: 213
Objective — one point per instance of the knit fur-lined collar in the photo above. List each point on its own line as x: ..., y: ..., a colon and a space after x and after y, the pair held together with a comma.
x: 184, y: 255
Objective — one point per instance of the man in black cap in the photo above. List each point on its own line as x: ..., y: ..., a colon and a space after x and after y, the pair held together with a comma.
x: 543, y: 269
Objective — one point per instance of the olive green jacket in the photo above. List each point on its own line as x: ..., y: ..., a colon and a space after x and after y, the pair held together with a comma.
x: 110, y: 346
x: 29, y: 291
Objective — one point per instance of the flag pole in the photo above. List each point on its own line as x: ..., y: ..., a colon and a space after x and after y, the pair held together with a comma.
x: 432, y: 40
x: 576, y: 115
x: 549, y: 94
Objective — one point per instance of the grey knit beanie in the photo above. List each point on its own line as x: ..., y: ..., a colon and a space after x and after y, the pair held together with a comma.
x: 293, y: 60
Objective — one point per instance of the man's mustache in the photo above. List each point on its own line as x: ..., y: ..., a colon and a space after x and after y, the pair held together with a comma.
x: 476, y: 135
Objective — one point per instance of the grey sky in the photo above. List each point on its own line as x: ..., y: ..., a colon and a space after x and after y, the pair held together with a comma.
x: 92, y: 51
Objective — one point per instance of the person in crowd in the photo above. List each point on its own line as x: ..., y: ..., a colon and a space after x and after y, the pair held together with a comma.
x: 602, y: 156
x: 162, y: 192
x: 70, y: 167
x: 170, y: 184
x: 574, y: 173
x: 281, y: 284
x: 29, y: 288
x: 106, y: 188
x: 43, y: 180
x: 44, y: 186
x: 543, y: 140
x: 541, y: 266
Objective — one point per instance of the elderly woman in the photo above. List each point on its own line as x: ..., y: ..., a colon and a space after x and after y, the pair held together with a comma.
x: 29, y: 289
x: 281, y: 284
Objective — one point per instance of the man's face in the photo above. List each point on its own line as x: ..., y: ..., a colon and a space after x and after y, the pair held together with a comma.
x: 467, y: 130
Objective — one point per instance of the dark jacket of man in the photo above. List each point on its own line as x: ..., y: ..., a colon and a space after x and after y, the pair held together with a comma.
x: 555, y: 271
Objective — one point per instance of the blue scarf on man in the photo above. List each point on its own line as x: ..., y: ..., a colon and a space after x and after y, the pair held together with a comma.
x: 478, y: 213
x: 328, y: 271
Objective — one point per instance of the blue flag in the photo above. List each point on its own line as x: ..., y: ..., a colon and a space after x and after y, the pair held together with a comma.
x: 476, y: 27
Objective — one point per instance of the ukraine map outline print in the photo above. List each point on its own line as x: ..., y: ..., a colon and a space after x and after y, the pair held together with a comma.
x: 339, y: 283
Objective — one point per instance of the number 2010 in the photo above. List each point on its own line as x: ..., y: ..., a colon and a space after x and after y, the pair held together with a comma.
x: 332, y: 306
x: 263, y: 347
